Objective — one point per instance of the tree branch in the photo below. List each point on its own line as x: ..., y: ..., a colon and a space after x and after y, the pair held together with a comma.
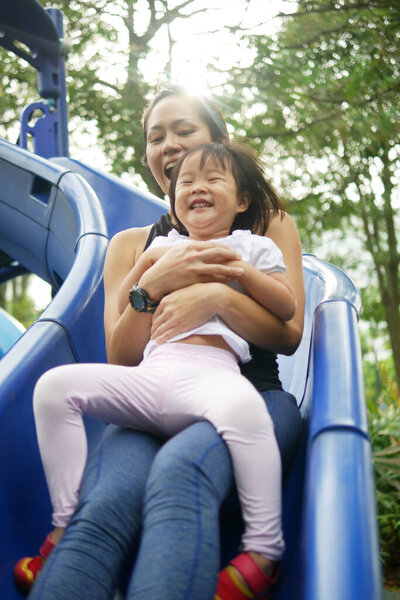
x: 333, y: 7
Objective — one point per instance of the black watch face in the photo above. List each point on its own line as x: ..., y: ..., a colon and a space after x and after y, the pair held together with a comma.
x: 140, y: 300
x: 137, y: 300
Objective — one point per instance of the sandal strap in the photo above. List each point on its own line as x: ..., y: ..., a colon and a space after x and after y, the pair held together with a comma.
x: 255, y: 578
x: 47, y: 548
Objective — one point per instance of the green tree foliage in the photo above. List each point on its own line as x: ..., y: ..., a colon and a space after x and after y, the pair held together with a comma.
x: 384, y: 423
x: 323, y: 96
x: 16, y: 300
x: 107, y: 76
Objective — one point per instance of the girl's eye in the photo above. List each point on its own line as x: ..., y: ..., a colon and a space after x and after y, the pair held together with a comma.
x: 156, y: 140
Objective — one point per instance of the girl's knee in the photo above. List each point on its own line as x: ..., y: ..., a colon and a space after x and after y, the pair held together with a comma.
x: 51, y: 389
x: 245, y: 412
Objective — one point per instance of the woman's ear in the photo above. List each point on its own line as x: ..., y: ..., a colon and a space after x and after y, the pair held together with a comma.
x: 244, y: 201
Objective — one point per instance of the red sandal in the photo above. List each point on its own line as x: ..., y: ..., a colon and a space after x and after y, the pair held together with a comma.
x: 231, y: 588
x: 27, y: 569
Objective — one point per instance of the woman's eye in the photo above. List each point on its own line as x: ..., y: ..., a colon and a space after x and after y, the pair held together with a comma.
x: 186, y: 132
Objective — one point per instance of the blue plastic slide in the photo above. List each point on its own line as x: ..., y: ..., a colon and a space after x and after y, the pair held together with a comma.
x: 56, y: 217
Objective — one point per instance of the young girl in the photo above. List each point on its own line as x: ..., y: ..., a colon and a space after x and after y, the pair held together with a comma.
x: 218, y: 193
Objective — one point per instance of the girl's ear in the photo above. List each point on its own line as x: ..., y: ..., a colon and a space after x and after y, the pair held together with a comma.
x: 244, y: 202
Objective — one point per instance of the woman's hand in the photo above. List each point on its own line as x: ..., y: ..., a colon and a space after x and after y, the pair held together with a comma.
x: 188, y: 264
x: 185, y: 309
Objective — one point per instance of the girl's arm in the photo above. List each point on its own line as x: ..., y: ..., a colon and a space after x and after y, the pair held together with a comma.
x: 187, y: 308
x: 272, y: 290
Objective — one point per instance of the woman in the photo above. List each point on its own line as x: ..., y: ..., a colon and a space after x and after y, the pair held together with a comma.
x: 169, y: 495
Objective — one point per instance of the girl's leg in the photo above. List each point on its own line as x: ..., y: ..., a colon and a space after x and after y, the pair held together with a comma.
x: 103, y: 533
x: 179, y: 555
x: 288, y: 427
x: 108, y: 392
x: 241, y: 418
x: 218, y: 393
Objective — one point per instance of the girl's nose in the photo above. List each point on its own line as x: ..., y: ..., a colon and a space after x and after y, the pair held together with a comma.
x: 198, y: 187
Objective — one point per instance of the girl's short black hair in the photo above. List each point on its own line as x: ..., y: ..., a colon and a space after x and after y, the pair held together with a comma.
x: 206, y: 108
x: 248, y: 173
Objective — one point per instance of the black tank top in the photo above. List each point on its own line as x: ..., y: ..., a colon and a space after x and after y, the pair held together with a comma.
x: 262, y: 370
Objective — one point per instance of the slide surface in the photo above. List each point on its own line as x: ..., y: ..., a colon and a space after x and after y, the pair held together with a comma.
x: 56, y: 218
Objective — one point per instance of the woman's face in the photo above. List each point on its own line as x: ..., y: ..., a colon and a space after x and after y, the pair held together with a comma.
x: 173, y: 127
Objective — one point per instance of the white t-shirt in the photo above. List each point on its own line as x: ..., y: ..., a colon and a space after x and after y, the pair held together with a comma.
x: 258, y: 250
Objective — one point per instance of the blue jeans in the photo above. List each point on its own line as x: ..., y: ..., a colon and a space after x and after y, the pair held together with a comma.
x: 149, y: 514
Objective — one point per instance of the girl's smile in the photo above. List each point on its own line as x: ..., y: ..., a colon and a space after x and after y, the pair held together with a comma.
x: 206, y: 198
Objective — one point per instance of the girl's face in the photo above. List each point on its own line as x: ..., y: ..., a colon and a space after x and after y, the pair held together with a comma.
x: 172, y: 128
x: 207, y: 199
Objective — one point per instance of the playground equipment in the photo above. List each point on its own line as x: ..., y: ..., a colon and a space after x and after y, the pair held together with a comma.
x: 56, y: 217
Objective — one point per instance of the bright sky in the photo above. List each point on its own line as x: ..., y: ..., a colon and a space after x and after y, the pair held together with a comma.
x: 199, y: 44
x: 205, y: 38
x: 203, y: 48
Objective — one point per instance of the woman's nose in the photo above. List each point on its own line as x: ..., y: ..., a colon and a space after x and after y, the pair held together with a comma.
x: 171, y: 144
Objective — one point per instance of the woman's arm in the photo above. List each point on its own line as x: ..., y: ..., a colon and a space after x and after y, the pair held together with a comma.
x: 187, y: 308
x: 159, y: 272
x: 126, y: 331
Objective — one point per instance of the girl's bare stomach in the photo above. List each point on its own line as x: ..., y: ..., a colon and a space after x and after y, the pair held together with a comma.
x: 217, y: 341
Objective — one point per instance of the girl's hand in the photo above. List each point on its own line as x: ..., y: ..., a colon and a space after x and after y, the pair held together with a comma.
x: 185, y: 309
x: 188, y: 264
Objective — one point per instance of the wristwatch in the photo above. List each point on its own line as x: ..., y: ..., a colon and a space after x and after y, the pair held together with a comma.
x: 141, y: 301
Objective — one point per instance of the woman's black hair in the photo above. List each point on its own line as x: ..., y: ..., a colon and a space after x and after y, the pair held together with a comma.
x: 248, y: 173
x: 207, y: 110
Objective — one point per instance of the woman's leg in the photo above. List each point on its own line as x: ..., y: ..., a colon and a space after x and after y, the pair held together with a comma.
x: 102, y: 536
x: 288, y: 424
x: 179, y: 555
x: 184, y: 495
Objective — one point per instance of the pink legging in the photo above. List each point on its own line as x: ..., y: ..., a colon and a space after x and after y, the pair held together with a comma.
x: 175, y: 386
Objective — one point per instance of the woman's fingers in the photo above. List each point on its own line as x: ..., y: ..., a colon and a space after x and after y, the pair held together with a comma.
x: 188, y: 264
x: 183, y: 310
x: 207, y: 272
x: 202, y: 252
x: 215, y: 253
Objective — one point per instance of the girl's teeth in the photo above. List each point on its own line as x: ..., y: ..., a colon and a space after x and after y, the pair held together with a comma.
x: 201, y: 205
